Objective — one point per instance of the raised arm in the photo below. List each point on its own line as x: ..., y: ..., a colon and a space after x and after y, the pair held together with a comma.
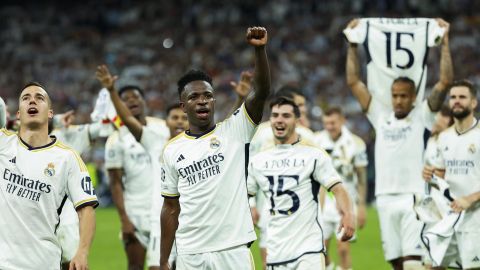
x: 169, y: 224
x: 108, y: 82
x: 439, y: 92
x: 358, y: 87
x: 86, y: 217
x: 255, y: 102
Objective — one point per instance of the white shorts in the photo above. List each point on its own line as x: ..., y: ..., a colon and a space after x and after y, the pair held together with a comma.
x: 306, y: 262
x: 236, y: 258
x: 69, y: 237
x: 464, y: 251
x: 400, y: 229
x: 153, y: 252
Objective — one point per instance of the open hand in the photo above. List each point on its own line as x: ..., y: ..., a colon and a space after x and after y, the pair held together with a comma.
x: 105, y: 78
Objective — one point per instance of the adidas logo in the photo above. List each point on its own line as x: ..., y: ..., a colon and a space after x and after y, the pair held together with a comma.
x: 476, y: 259
x: 180, y: 158
x: 13, y: 160
x: 418, y: 246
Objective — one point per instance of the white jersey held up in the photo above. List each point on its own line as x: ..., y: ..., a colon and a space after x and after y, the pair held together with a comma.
x: 399, y: 147
x: 208, y: 174
x: 395, y: 47
x: 34, y: 186
x: 290, y: 177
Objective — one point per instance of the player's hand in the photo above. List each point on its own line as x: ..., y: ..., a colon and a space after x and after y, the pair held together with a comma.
x: 164, y: 266
x: 244, y: 85
x: 255, y: 215
x: 353, y: 23
x: 362, y: 216
x: 460, y: 204
x: 79, y: 261
x: 442, y: 23
x: 67, y: 118
x: 257, y: 36
x: 427, y: 173
x: 128, y: 231
x: 347, y: 225
x: 105, y: 78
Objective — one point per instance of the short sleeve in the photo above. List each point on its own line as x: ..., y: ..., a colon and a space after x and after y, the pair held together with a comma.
x: 435, y: 33
x: 437, y: 159
x: 376, y: 110
x: 428, y: 117
x: 79, y: 184
x: 252, y: 186
x: 239, y: 125
x: 113, y: 152
x: 358, y: 34
x: 360, y: 158
x: 169, y: 178
x: 75, y: 136
x: 324, y: 172
x: 3, y: 113
x: 154, y: 137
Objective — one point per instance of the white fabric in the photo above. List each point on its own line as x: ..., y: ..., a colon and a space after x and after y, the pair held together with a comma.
x: 289, y: 176
x: 3, y: 113
x: 410, y: 39
x: 140, y: 169
x: 208, y: 174
x: 153, y: 249
x: 347, y: 152
x: 459, y: 155
x: 264, y: 139
x: 399, y: 148
x: 34, y: 184
x: 306, y: 262
x: 399, y: 226
x: 235, y: 258
x: 69, y: 238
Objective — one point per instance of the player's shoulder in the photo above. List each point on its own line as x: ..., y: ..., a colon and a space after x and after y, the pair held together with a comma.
x: 175, y: 141
x: 311, y: 147
x: 7, y: 133
x: 7, y: 136
x: 358, y: 141
x: 70, y: 154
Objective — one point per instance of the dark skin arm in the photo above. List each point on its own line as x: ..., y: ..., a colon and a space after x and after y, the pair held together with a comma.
x: 108, y: 81
x: 255, y: 102
x: 169, y: 223
x: 439, y: 92
x: 115, y: 176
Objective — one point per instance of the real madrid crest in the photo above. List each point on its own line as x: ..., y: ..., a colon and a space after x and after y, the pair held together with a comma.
x: 50, y: 170
x: 214, y: 143
x: 472, y: 148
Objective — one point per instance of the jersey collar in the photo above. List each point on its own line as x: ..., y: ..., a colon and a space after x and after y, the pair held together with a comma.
x: 31, y: 148
x: 475, y: 123
x: 190, y: 135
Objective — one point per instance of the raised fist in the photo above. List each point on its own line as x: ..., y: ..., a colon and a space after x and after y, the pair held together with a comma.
x: 257, y: 36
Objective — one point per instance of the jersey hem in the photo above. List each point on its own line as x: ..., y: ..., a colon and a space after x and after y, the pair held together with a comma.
x: 90, y: 202
x: 215, y: 249
x: 292, y: 260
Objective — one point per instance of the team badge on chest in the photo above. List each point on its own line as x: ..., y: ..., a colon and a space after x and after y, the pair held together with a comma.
x: 50, y: 170
x: 214, y: 143
x: 472, y: 149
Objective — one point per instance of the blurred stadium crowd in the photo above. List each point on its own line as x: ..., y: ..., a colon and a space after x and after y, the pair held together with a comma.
x: 152, y: 43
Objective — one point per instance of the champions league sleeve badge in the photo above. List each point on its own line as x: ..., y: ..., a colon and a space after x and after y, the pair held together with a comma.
x: 214, y: 143
x: 50, y: 170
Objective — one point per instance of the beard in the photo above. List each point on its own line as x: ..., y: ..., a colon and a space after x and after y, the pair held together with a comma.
x: 461, y: 114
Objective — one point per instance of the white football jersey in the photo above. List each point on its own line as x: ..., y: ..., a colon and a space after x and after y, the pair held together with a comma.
x: 3, y: 113
x: 35, y: 184
x: 290, y: 176
x: 347, y: 152
x: 154, y: 146
x: 208, y: 173
x: 263, y: 138
x: 399, y: 147
x: 122, y: 151
x: 395, y: 47
x: 431, y: 151
x: 459, y: 155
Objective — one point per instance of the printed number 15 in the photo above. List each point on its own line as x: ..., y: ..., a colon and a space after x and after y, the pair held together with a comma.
x: 280, y: 192
x: 398, y: 47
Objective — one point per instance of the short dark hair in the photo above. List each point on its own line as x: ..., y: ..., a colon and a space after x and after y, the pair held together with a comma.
x: 466, y: 83
x: 32, y: 83
x: 190, y: 76
x: 333, y: 110
x: 172, y: 107
x: 289, y: 91
x: 408, y: 81
x: 279, y: 101
x: 129, y: 88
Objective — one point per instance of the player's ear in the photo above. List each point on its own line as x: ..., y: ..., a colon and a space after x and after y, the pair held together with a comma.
x: 50, y: 114
x: 474, y: 103
x: 18, y: 115
x: 182, y: 106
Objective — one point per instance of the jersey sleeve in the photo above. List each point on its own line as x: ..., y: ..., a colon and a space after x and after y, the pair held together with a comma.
x: 428, y: 117
x: 75, y: 136
x: 437, y: 160
x: 376, y: 109
x: 113, y: 152
x: 3, y: 113
x: 154, y: 137
x: 252, y: 186
x: 360, y: 158
x: 358, y: 34
x: 435, y: 33
x: 79, y: 184
x: 239, y: 125
x: 324, y: 172
x: 169, y: 178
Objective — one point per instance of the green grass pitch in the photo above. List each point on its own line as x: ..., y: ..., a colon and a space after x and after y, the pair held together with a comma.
x: 107, y: 252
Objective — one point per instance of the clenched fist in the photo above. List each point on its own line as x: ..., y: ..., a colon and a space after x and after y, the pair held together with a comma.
x: 257, y: 36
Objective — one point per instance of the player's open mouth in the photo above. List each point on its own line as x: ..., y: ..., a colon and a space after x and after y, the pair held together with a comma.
x: 32, y: 111
x: 203, y: 113
x: 279, y: 129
